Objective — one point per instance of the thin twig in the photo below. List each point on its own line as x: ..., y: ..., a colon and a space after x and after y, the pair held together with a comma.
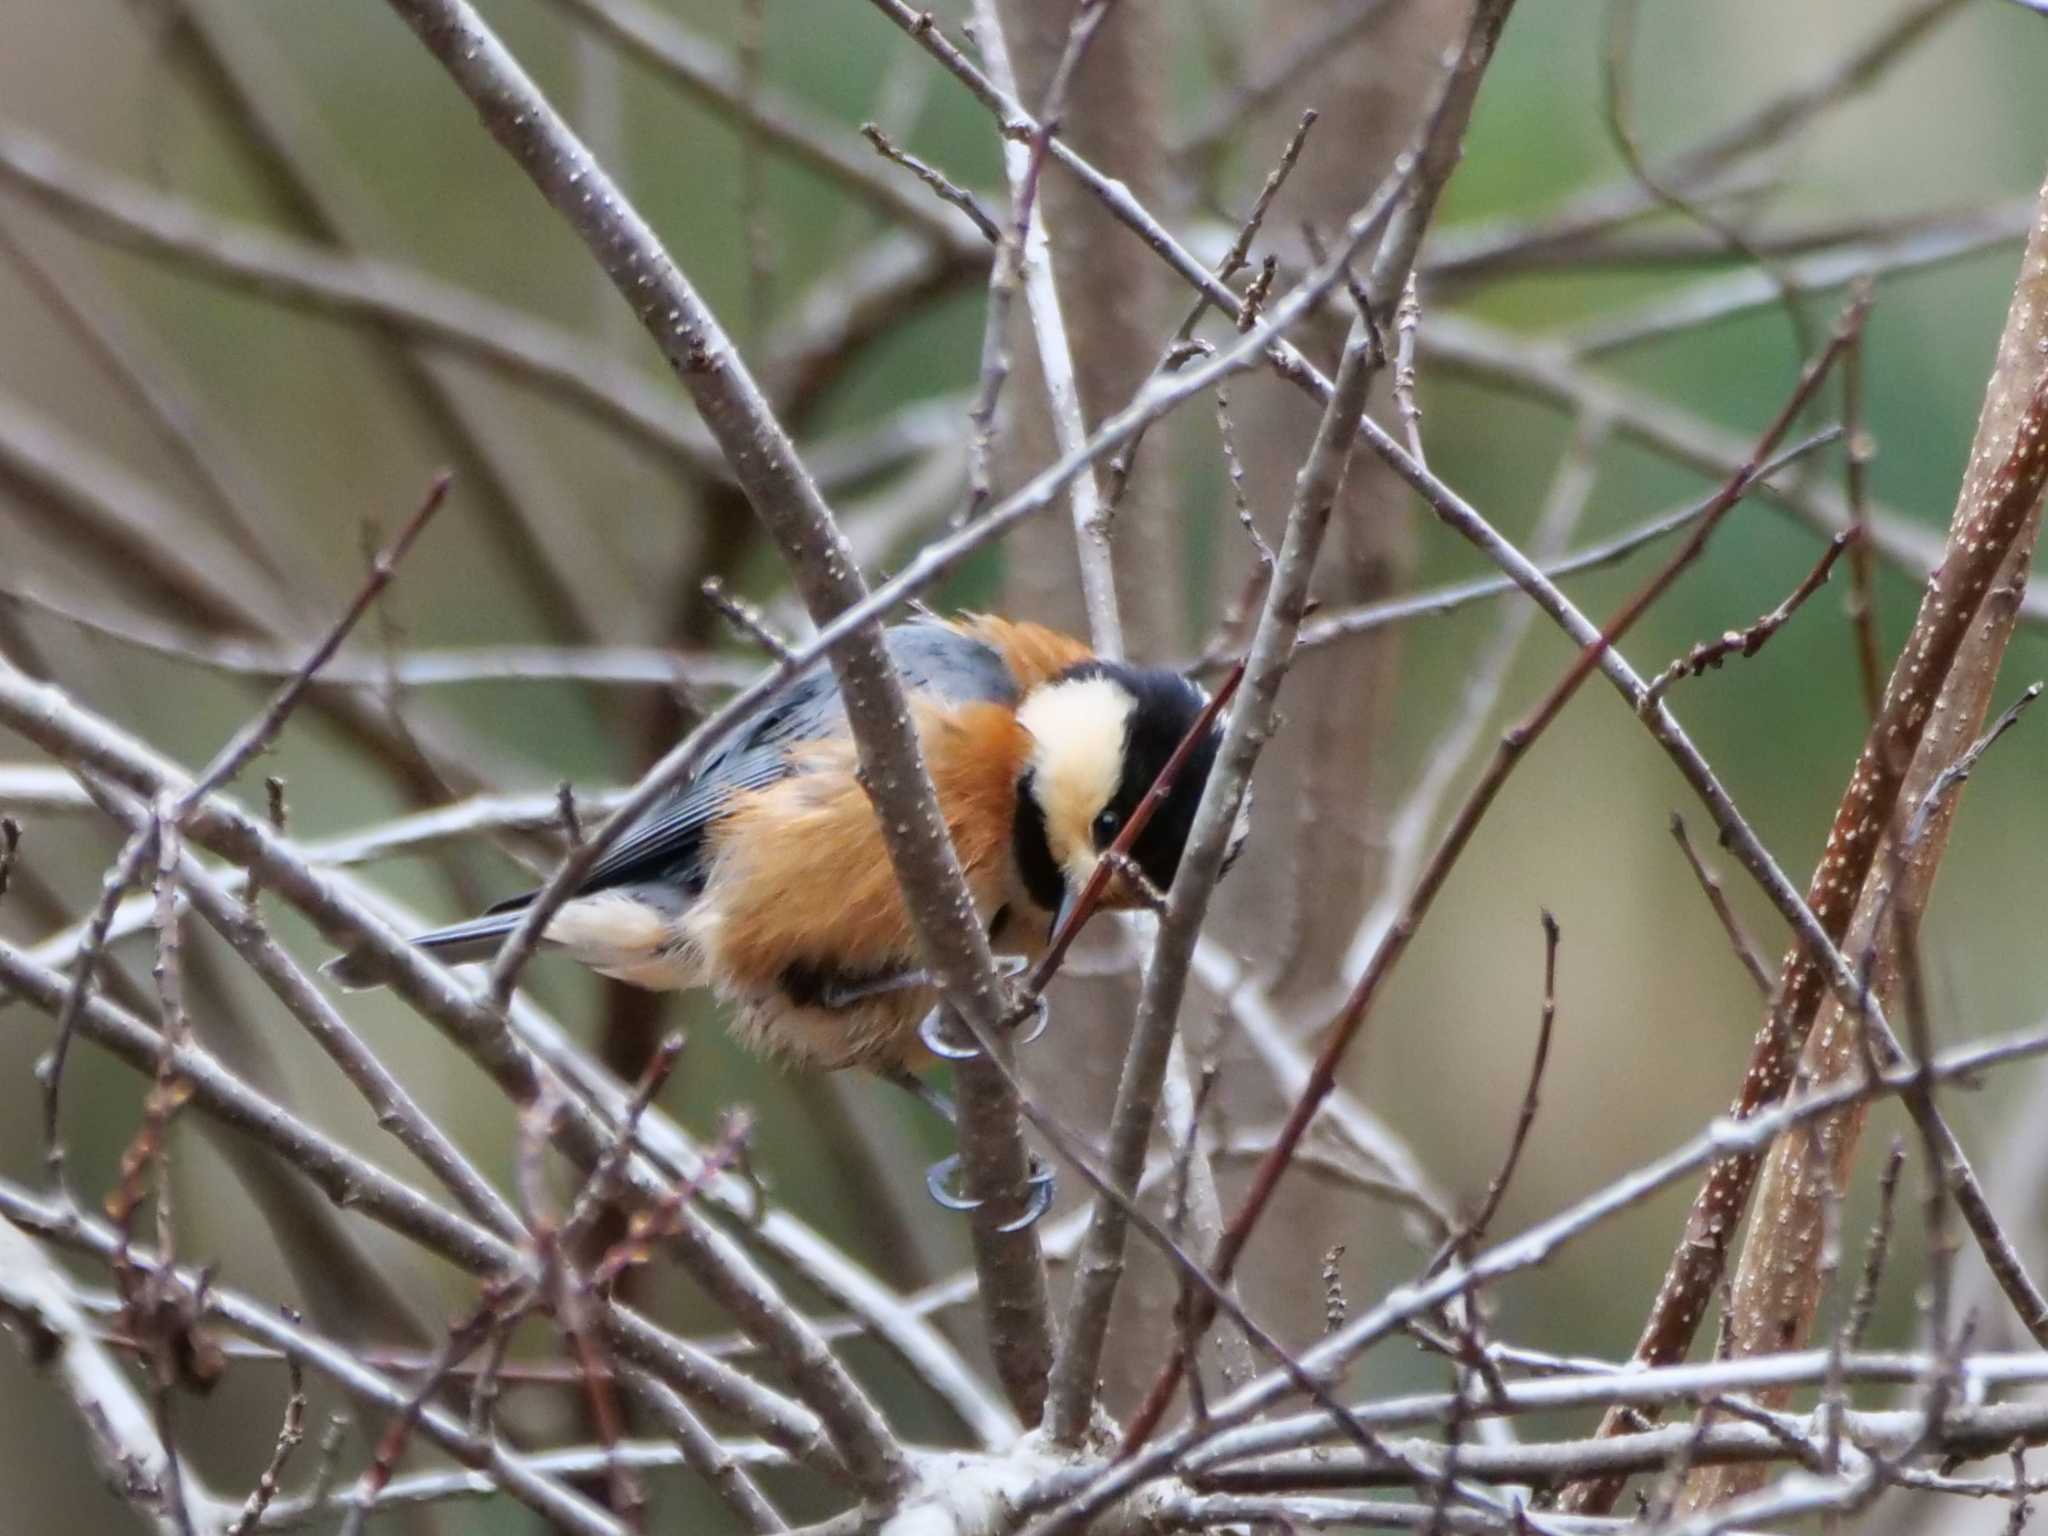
x: 1180, y: 347
x: 1226, y: 117
x: 1029, y: 244
x: 1738, y: 938
x: 1474, y: 1230
x: 744, y: 617
x: 942, y: 185
x: 694, y: 63
x: 233, y: 756
x: 1708, y: 655
x: 290, y: 1435
x: 1408, y: 321
x: 1366, y: 618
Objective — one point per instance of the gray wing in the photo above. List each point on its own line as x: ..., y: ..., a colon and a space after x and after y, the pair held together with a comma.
x: 667, y: 844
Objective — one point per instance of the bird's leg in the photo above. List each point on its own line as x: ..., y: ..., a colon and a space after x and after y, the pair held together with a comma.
x: 923, y: 1092
x: 844, y: 991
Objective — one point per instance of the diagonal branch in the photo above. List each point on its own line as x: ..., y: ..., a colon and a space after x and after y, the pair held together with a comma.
x: 1778, y: 1280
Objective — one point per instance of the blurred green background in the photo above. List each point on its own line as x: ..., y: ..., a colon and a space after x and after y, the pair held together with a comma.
x: 1655, y: 1017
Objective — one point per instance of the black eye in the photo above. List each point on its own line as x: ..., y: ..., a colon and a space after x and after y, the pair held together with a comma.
x: 1106, y: 828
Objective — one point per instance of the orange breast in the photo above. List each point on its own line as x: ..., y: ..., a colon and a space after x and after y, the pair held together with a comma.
x: 800, y: 874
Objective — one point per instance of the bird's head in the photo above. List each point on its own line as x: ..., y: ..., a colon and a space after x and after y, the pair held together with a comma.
x: 1100, y: 733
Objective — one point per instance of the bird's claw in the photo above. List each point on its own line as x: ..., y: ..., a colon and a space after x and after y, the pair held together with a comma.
x: 1039, y: 1186
x: 938, y: 1181
x: 932, y: 1031
x: 1032, y: 1023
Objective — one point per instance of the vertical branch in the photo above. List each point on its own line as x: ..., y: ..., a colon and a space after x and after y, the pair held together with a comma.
x: 1022, y: 163
x: 789, y: 505
x: 1100, y: 1266
x: 1115, y: 297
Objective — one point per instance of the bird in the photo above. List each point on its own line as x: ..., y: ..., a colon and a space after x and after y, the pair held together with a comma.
x: 764, y: 877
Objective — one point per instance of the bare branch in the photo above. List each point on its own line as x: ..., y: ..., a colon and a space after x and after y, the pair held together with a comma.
x: 1724, y: 1138
x: 1710, y: 883
x: 698, y: 66
x: 1388, y: 949
x: 1028, y: 247
x: 1997, y: 512
x: 120, y: 1429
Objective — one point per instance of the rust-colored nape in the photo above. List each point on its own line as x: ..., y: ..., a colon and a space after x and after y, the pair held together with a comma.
x: 1033, y: 653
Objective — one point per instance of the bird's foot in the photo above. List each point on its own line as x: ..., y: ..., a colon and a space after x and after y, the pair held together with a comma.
x: 1039, y: 1184
x: 1026, y: 1023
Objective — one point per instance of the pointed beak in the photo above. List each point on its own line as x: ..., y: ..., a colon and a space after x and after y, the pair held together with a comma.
x: 1068, y: 901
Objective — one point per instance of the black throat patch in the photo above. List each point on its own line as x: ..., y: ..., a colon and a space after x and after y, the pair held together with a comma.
x: 1165, y: 709
x: 1036, y: 866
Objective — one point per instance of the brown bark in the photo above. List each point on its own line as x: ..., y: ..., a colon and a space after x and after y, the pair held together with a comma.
x: 1777, y: 1286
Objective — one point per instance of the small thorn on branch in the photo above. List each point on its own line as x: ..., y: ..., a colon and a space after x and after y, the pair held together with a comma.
x: 274, y: 813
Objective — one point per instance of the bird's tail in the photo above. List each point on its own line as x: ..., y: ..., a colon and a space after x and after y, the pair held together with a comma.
x: 477, y: 939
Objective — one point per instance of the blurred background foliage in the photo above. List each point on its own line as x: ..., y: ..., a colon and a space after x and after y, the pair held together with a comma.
x: 1655, y: 1016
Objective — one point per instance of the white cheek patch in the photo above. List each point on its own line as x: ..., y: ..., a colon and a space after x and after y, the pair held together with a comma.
x: 1078, y: 730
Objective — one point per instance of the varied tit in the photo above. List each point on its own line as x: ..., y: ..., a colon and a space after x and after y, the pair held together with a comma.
x: 765, y: 878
